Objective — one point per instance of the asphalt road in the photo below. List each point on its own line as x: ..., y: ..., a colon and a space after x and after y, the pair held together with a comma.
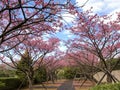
x: 67, y: 85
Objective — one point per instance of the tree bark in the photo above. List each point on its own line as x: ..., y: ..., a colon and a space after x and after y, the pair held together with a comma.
x: 30, y: 81
x: 109, y: 79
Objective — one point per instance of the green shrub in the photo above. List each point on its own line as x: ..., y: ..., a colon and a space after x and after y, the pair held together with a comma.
x: 115, y: 86
x: 7, y: 73
x: 2, y: 85
x: 9, y: 83
x: 2, y: 74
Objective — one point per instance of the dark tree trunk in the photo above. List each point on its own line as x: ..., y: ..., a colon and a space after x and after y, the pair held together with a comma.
x: 109, y: 79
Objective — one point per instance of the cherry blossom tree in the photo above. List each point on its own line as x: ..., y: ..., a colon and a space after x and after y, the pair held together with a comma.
x: 19, y: 18
x: 86, y: 62
x: 51, y: 67
x: 36, y: 49
x: 52, y: 63
x: 98, y: 35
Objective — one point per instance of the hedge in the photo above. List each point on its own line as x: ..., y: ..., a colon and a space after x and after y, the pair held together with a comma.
x: 9, y: 83
x: 115, y: 86
x: 2, y: 85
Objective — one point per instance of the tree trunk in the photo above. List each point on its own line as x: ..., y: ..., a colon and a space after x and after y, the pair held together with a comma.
x: 52, y: 78
x: 91, y: 78
x: 30, y: 81
x: 109, y: 79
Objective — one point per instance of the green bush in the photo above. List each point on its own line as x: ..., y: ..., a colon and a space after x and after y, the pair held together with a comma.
x: 115, y: 86
x: 9, y: 83
x: 7, y: 73
x: 2, y: 85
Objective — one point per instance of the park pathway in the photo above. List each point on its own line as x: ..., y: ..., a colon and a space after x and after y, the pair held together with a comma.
x: 67, y: 85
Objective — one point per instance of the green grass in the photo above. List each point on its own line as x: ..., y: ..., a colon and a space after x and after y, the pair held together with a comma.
x: 115, y: 86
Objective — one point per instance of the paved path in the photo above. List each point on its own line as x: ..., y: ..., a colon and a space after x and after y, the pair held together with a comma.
x: 67, y: 85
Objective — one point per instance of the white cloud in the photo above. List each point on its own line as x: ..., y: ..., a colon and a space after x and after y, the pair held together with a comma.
x: 68, y: 18
x: 113, y: 16
x: 119, y: 31
x: 62, y: 47
x: 100, y: 6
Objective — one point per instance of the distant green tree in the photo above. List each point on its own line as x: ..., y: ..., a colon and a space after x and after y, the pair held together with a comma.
x: 70, y: 72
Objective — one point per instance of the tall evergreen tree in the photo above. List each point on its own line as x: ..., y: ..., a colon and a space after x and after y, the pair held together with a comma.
x: 25, y: 68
